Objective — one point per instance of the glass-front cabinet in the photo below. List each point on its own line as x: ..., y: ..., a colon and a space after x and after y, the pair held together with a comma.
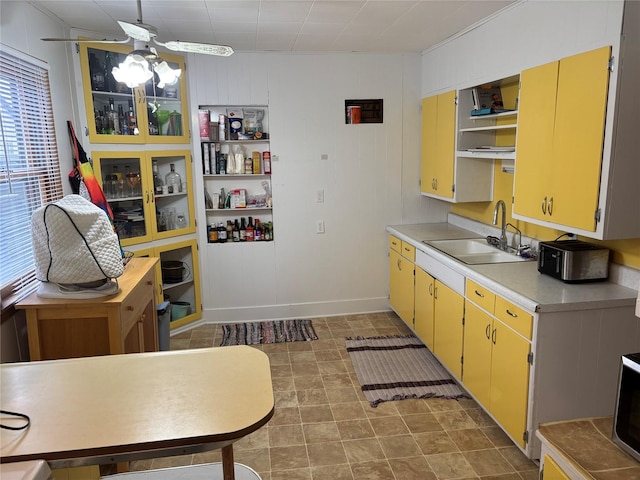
x: 150, y: 193
x: 118, y: 114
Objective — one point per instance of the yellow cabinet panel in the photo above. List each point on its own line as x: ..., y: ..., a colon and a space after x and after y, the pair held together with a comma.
x: 579, y: 130
x: 408, y: 251
x: 476, y: 374
x: 536, y: 111
x: 423, y: 313
x: 395, y: 244
x: 429, y: 140
x: 401, y: 275
x: 510, y: 380
x: 515, y: 317
x: 552, y: 470
x: 438, y: 144
x: 448, y: 332
x: 480, y: 295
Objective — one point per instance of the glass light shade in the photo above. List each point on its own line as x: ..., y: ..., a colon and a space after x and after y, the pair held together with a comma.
x: 133, y: 71
x: 166, y: 74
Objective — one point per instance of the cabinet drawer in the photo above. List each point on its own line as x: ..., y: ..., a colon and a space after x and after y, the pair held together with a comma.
x: 395, y: 244
x: 479, y: 295
x: 518, y: 319
x: 135, y: 303
x: 408, y: 251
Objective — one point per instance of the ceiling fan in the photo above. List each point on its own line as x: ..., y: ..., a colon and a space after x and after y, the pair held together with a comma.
x: 142, y: 34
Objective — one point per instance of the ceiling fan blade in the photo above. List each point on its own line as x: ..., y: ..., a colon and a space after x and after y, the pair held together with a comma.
x: 136, y: 31
x: 192, y: 47
x: 84, y: 40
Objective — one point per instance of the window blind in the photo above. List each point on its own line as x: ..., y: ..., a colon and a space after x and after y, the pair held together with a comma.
x: 29, y: 167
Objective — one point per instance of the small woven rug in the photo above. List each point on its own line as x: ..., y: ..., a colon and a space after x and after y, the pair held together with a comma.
x: 277, y: 331
x: 399, y: 367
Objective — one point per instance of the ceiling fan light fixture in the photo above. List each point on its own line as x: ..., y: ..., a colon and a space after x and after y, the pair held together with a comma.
x: 166, y: 74
x: 133, y: 71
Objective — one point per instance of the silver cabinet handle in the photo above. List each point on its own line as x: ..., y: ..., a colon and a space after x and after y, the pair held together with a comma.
x: 481, y: 295
x: 435, y: 293
x: 550, y: 208
x: 486, y: 332
x: 399, y: 264
x: 493, y: 335
x: 431, y: 289
x: 544, y: 205
x: 514, y: 315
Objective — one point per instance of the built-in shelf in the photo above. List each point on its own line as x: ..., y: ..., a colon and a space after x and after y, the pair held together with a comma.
x: 491, y: 155
x: 492, y: 127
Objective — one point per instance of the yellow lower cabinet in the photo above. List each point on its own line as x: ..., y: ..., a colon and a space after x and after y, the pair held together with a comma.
x: 449, y: 329
x: 401, y: 276
x: 424, y: 308
x: 477, y: 353
x: 510, y: 380
x: 552, y: 470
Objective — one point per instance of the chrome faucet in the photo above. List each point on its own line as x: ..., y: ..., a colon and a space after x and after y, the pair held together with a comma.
x: 504, y: 245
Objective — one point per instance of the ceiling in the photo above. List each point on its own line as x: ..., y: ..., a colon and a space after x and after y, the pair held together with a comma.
x: 390, y: 26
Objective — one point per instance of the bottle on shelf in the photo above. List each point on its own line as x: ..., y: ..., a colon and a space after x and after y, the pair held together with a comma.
x: 221, y: 199
x: 236, y: 231
x: 212, y: 233
x: 131, y: 120
x: 243, y: 230
x: 266, y: 163
x: 112, y: 115
x: 222, y: 233
x: 97, y: 73
x: 250, y: 235
x: 257, y: 231
x: 157, y: 181
x: 122, y: 121
x: 173, y: 180
x: 229, y: 231
x: 109, y: 79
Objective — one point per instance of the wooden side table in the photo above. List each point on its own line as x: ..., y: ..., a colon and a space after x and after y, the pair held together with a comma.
x: 122, y: 323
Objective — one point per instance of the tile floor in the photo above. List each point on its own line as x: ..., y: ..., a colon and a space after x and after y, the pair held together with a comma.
x: 323, y: 428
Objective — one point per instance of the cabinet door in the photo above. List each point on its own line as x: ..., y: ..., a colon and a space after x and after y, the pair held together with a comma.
x: 424, y: 286
x: 536, y: 113
x: 445, y: 146
x: 448, y: 332
x: 583, y: 82
x: 125, y: 178
x: 552, y: 470
x: 401, y: 286
x: 145, y: 114
x: 476, y: 373
x: 510, y: 380
x: 429, y: 142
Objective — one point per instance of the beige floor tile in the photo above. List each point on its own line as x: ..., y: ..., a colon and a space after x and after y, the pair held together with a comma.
x: 399, y: 446
x: 321, y: 432
x: 341, y: 394
x: 293, y: 474
x: 387, y: 426
x: 454, y: 420
x: 348, y: 411
x: 308, y: 382
x: 286, y: 416
x: 470, y: 439
x: 288, y: 458
x: 339, y: 380
x: 284, y: 435
x: 327, y: 453
x: 258, y: 459
x: 411, y: 468
x: 257, y: 439
x: 316, y: 414
x: 363, y: 450
x: 374, y: 470
x: 422, y: 422
x: 352, y: 429
x: 487, y: 462
x: 432, y: 443
x: 332, y: 472
x: 517, y: 459
x: 312, y: 397
x: 447, y: 466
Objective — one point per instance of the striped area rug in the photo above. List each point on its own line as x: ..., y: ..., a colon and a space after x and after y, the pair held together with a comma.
x: 397, y: 368
x: 277, y: 331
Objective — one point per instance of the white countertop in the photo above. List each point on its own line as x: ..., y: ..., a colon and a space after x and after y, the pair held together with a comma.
x: 519, y: 282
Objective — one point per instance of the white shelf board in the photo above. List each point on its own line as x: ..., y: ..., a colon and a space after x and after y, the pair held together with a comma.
x: 490, y: 155
x: 492, y: 127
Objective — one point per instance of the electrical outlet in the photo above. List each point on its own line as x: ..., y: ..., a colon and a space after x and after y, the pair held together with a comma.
x: 319, y: 196
x: 319, y: 226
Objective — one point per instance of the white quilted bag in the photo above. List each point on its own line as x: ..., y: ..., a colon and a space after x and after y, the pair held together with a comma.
x: 74, y: 243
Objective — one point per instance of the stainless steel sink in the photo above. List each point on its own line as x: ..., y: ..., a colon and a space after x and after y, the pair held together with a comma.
x: 474, y: 251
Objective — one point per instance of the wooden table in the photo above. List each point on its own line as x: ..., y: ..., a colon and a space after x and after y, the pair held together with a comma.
x: 117, y: 408
x: 121, y: 323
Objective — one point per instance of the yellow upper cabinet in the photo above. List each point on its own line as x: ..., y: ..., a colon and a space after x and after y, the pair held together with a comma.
x: 438, y: 145
x: 560, y: 138
x: 118, y: 114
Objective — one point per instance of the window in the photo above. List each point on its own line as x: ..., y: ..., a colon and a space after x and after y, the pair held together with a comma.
x: 29, y: 166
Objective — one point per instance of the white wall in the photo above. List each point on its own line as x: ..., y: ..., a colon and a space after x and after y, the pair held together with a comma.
x: 370, y: 180
x: 528, y: 34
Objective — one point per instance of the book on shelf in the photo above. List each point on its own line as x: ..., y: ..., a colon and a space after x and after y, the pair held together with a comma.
x: 488, y: 111
x: 486, y: 97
